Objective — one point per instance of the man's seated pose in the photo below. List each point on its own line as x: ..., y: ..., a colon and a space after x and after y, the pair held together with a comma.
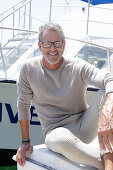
x: 57, y: 87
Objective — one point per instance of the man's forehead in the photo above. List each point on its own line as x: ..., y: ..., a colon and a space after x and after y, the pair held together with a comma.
x: 47, y: 32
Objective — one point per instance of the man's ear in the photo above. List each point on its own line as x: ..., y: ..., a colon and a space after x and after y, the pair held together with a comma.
x: 39, y: 45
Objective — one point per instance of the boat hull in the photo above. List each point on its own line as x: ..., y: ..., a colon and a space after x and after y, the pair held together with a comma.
x: 9, y: 126
x: 10, y: 135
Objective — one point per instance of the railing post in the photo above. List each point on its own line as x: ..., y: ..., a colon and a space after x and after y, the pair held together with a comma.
x: 30, y: 22
x: 24, y: 16
x: 19, y: 19
x: 88, y: 17
x: 3, y: 61
x: 13, y: 21
x: 50, y: 10
x: 109, y: 63
x: 2, y: 32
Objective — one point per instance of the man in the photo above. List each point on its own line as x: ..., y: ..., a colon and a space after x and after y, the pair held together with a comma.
x: 57, y: 87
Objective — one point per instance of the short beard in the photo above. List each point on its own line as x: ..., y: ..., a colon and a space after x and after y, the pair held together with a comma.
x: 54, y: 62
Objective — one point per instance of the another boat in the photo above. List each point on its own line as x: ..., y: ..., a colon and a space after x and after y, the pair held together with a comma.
x: 85, y: 38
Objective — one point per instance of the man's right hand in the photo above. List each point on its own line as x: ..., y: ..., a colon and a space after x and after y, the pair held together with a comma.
x: 21, y: 153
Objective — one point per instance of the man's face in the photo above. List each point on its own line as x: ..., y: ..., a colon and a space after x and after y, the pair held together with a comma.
x: 52, y: 46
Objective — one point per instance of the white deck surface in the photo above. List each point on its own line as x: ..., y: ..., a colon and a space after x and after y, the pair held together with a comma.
x: 42, y: 159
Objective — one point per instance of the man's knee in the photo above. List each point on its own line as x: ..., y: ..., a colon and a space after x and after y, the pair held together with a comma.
x: 60, y: 139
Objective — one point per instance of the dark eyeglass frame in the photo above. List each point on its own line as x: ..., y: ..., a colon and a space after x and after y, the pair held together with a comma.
x: 52, y: 43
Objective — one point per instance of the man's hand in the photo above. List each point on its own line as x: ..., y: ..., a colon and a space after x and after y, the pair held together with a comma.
x: 105, y: 129
x: 20, y: 155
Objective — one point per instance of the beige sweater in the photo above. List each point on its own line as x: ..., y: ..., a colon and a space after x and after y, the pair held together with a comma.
x: 57, y: 94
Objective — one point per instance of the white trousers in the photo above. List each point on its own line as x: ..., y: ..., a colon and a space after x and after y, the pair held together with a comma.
x: 72, y: 139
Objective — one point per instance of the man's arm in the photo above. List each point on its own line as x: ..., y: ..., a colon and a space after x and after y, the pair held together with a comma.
x: 25, y: 96
x: 26, y: 144
x: 105, y: 130
x: 24, y: 125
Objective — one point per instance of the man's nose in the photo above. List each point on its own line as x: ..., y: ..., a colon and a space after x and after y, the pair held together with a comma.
x: 52, y: 46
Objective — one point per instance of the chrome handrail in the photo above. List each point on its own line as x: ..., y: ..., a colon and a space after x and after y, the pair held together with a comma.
x: 16, y: 10
x: 10, y: 8
x: 74, y: 39
x: 36, y: 32
x: 16, y: 47
x: 83, y: 6
x: 18, y: 29
x: 11, y: 11
x: 92, y: 44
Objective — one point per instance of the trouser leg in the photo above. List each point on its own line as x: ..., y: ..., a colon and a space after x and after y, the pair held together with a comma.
x: 90, y: 118
x: 72, y: 140
x: 62, y: 141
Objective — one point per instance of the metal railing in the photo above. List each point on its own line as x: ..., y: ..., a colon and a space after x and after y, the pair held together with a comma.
x: 12, y: 11
x: 68, y: 38
x: 29, y: 31
x: 18, y: 9
x: 88, y: 6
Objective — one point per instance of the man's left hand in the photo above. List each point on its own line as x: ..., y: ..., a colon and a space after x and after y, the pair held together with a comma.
x: 105, y: 129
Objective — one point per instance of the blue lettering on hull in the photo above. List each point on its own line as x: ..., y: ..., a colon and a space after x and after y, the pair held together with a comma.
x: 0, y: 112
x: 33, y: 115
x: 14, y: 117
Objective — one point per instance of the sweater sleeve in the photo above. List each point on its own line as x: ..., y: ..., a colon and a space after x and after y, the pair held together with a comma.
x: 25, y: 94
x: 96, y: 77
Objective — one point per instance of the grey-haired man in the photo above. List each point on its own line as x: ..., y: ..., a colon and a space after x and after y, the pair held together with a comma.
x: 57, y: 87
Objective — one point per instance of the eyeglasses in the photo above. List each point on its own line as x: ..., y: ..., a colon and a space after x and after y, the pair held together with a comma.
x: 57, y: 44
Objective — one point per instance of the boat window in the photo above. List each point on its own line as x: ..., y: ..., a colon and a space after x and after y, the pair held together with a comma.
x: 93, y: 55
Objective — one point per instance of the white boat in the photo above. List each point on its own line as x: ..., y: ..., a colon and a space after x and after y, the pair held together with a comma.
x: 21, y: 43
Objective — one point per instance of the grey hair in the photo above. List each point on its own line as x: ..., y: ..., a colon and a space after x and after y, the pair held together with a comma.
x: 50, y: 26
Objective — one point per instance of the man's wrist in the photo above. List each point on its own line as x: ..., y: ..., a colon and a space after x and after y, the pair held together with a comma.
x: 110, y: 95
x: 26, y: 141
